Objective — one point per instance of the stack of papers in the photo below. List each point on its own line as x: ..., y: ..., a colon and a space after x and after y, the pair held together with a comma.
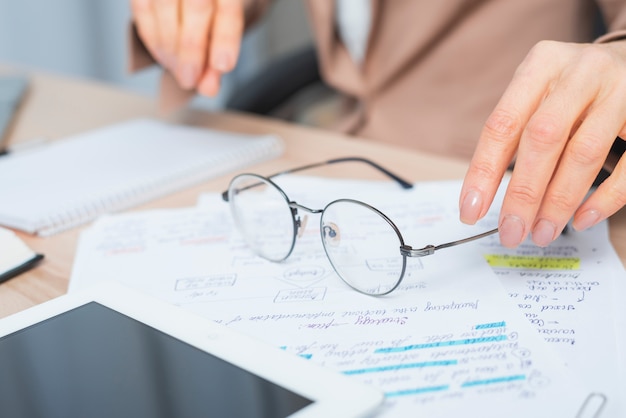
x: 525, y: 332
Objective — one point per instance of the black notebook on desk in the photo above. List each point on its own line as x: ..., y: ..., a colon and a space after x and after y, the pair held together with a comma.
x: 68, y: 182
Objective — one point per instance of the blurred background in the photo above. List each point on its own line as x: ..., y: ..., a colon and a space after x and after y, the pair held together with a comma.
x: 88, y: 39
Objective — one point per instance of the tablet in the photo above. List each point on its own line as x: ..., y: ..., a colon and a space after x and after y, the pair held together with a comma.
x: 112, y: 352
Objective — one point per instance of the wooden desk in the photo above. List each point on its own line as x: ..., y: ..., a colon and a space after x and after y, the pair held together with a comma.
x: 56, y: 107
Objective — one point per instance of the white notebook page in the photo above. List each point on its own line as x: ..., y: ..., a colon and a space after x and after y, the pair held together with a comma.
x: 71, y: 181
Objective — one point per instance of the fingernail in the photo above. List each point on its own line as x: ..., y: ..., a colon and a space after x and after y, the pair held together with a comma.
x: 471, y: 207
x: 544, y: 233
x: 511, y: 231
x: 222, y: 61
x: 188, y: 76
x: 586, y: 220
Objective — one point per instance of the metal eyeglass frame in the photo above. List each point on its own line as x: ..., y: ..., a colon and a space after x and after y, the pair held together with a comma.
x: 405, y: 250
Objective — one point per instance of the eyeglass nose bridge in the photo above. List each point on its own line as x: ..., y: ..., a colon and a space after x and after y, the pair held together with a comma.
x: 408, y: 251
x: 296, y: 205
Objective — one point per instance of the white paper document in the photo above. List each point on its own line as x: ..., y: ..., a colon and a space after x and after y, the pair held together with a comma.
x: 566, y: 291
x: 449, y: 340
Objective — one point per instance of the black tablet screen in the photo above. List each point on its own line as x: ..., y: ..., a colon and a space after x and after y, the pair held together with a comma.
x: 95, y: 362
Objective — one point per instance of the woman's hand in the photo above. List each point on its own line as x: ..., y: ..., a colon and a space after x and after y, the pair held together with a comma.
x: 196, y: 40
x: 558, y: 118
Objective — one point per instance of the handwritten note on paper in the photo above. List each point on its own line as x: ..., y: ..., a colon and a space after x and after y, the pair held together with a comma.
x: 566, y: 291
x: 567, y: 296
x: 447, y: 340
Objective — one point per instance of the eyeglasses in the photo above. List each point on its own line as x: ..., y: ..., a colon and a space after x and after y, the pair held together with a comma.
x: 364, y: 246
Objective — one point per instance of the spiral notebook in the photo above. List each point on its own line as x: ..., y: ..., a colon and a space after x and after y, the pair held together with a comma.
x: 73, y: 180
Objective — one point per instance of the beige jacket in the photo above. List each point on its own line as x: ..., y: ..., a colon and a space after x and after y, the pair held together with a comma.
x: 434, y: 70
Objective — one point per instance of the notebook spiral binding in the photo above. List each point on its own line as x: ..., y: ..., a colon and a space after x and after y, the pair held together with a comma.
x: 143, y: 190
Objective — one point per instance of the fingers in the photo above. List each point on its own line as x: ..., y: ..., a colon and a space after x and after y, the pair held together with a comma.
x: 166, y: 14
x: 146, y: 23
x: 225, y: 44
x: 561, y: 119
x: 500, y: 138
x: 542, y: 146
x: 197, y: 40
x: 581, y: 162
x: 157, y: 25
x: 210, y: 43
x: 196, y: 18
x: 605, y: 201
x: 226, y: 35
x: 210, y: 83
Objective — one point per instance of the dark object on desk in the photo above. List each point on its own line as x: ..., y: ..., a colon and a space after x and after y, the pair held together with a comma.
x: 12, y: 90
x: 278, y: 82
x: 107, y: 351
x: 15, y: 256
x: 95, y: 362
x: 617, y: 150
x: 27, y: 265
x: 291, y: 88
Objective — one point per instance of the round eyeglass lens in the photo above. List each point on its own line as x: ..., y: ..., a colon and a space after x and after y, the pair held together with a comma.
x: 363, y: 246
x: 263, y: 216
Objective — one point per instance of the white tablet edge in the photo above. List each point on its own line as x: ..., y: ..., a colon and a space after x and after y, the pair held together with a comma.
x: 333, y: 394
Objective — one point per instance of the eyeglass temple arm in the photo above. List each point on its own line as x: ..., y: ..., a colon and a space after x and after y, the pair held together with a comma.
x: 403, y: 183
x: 408, y: 251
